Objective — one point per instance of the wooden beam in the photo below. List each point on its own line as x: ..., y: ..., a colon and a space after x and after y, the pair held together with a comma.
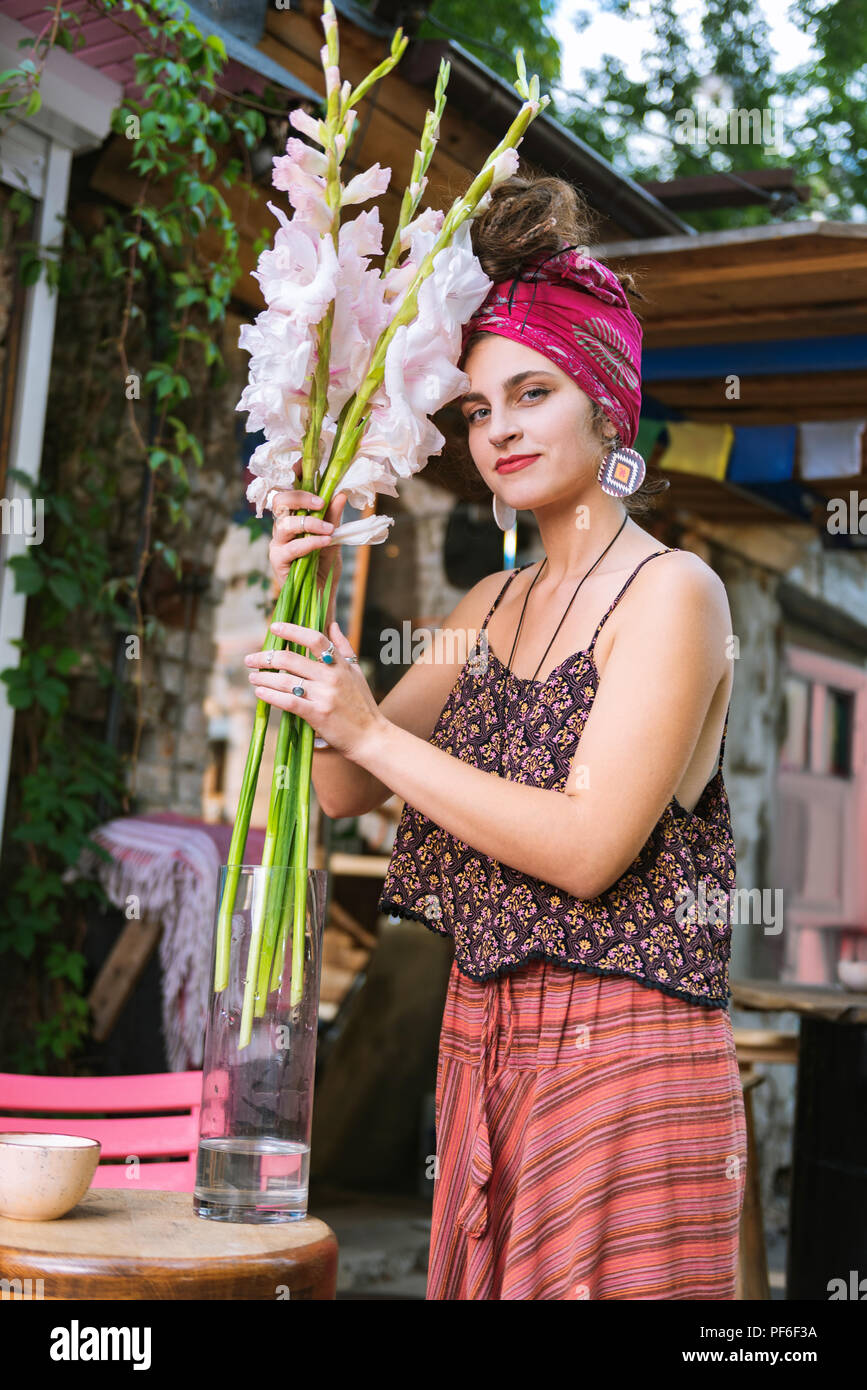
x: 766, y: 321
x: 768, y: 400
x: 712, y: 273
x: 120, y: 973
x: 719, y: 191
x: 805, y: 233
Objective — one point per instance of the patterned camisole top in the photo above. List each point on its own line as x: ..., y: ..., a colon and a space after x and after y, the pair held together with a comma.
x: 666, y: 920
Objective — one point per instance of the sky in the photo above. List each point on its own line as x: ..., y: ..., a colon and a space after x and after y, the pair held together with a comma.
x: 624, y: 37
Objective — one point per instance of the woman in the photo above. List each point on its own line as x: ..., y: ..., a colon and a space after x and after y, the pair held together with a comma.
x: 566, y: 820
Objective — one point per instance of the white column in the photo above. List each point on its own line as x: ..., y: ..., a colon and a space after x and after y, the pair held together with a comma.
x: 28, y: 424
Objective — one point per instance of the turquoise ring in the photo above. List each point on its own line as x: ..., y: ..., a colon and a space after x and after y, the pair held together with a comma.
x: 327, y: 656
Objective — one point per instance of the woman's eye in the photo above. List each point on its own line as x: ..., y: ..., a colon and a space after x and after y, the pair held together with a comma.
x: 471, y: 418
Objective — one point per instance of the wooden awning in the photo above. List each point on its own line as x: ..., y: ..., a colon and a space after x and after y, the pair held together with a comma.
x: 783, y: 307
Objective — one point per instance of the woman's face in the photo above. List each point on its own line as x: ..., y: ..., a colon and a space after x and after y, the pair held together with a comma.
x: 545, y: 413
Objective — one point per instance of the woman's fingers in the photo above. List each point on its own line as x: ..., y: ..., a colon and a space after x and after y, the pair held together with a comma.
x: 289, y: 526
x: 289, y: 499
x: 335, y: 511
x: 341, y: 642
x: 282, y: 663
x: 283, y: 553
x: 295, y: 536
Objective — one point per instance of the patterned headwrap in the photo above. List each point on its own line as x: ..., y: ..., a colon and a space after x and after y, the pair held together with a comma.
x: 575, y: 311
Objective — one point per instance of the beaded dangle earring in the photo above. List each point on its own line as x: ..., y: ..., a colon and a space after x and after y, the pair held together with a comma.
x: 621, y: 472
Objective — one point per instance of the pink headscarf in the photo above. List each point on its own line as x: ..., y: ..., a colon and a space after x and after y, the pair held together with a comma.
x: 575, y: 311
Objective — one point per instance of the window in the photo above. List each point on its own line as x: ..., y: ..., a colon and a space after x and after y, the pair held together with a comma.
x: 795, y: 752
x: 837, y: 733
x: 818, y: 723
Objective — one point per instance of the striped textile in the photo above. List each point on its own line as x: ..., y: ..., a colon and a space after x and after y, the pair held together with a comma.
x: 591, y: 1141
x: 173, y: 871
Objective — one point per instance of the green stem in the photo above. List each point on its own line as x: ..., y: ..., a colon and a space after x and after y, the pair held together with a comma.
x: 284, y: 606
x: 310, y: 606
x: 282, y: 814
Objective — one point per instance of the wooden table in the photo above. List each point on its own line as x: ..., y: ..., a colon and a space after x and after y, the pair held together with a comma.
x: 810, y: 1001
x: 828, y: 1195
x: 129, y: 1244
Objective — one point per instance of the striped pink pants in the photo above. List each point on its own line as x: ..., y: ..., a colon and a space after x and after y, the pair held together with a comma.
x: 591, y: 1141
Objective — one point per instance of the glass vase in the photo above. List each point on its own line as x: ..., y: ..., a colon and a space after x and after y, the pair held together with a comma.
x: 260, y: 1050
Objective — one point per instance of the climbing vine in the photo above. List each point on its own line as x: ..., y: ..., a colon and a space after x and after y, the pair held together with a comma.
x: 150, y: 284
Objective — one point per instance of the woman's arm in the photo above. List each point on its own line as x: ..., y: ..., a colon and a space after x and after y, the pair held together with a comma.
x: 414, y: 704
x: 342, y: 787
x: 668, y: 658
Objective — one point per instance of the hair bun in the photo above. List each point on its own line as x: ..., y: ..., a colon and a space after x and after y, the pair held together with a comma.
x: 529, y: 216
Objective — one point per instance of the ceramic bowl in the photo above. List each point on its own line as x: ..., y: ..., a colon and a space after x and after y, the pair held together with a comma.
x: 43, y: 1175
x: 852, y: 974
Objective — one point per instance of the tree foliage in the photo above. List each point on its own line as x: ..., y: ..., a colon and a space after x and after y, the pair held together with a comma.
x: 730, y: 63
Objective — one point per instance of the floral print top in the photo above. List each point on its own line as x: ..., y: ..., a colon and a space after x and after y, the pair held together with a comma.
x: 664, y: 922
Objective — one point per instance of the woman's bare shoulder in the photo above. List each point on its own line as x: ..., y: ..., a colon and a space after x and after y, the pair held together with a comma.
x: 685, y: 572
x: 687, y: 591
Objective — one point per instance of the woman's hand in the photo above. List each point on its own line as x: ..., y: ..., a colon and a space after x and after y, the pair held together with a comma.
x: 294, y: 536
x: 337, y: 702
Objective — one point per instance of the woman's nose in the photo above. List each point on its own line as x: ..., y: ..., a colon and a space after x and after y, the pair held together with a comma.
x: 501, y: 433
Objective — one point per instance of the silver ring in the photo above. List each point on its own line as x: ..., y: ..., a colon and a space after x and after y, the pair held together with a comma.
x: 269, y: 658
x: 298, y: 690
x: 328, y: 656
x: 352, y: 658
x: 303, y: 523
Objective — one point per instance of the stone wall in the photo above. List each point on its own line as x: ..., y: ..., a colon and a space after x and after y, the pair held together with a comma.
x: 751, y: 562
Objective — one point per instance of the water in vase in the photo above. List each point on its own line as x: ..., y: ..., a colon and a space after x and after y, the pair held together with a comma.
x: 257, y: 1179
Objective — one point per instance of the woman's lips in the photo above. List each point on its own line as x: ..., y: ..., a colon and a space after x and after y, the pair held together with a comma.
x: 519, y: 463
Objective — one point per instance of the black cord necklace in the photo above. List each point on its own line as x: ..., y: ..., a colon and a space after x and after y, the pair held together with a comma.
x: 508, y: 670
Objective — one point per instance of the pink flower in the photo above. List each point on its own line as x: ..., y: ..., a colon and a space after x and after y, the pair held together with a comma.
x: 280, y: 352
x: 306, y: 192
x: 369, y: 184
x: 360, y: 312
x: 307, y: 124
x: 308, y: 160
x: 299, y: 275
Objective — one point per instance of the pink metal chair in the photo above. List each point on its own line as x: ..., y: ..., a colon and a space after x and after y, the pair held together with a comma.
x: 147, y: 1131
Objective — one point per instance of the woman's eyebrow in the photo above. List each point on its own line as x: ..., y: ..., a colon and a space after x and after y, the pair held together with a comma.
x: 507, y: 385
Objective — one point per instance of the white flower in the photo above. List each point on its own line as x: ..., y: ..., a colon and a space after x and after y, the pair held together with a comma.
x: 368, y: 530
x: 364, y: 478
x: 260, y: 494
x: 277, y: 462
x: 420, y: 235
x: 505, y: 165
